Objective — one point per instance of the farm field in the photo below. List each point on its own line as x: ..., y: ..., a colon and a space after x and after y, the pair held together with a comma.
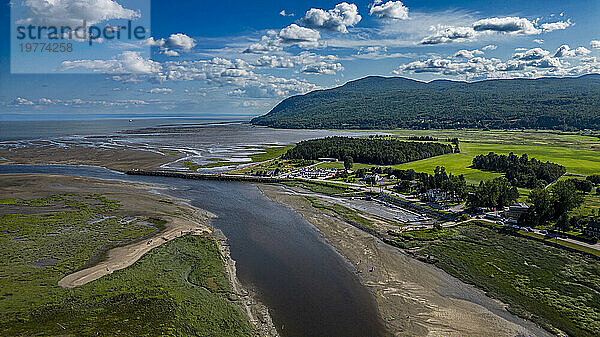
x: 579, y: 154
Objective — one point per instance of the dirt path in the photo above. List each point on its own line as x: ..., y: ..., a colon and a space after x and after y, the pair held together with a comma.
x: 123, y: 257
x: 414, y: 298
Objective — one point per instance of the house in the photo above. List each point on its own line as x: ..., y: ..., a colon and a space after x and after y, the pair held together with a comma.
x: 435, y: 194
x: 592, y: 229
x: 328, y: 159
x: 492, y: 216
x: 372, y: 178
x: 514, y: 212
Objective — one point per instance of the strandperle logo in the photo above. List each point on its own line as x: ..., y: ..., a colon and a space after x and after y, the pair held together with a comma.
x: 51, y: 37
x: 83, y: 32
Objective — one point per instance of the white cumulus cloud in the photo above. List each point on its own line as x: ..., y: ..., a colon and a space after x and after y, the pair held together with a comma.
x: 560, y: 25
x: 509, y: 25
x: 294, y: 33
x: 73, y: 12
x: 468, y: 54
x: 566, y: 51
x: 322, y: 68
x: 343, y: 15
x: 531, y: 54
x: 444, y: 34
x: 128, y: 62
x: 290, y: 35
x: 180, y: 41
x: 161, y: 91
x: 21, y: 101
x: 389, y: 10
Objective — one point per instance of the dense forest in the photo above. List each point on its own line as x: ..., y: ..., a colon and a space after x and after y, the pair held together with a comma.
x: 387, y: 103
x: 520, y: 171
x: 378, y: 151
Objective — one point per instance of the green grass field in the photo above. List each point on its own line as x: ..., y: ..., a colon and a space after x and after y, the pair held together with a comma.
x: 553, y: 287
x: 269, y: 152
x: 578, y: 153
x: 179, y: 288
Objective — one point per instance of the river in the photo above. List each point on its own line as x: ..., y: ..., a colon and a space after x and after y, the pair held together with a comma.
x: 309, y: 288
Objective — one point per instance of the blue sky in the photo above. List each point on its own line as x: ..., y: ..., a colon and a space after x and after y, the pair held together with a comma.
x: 240, y: 58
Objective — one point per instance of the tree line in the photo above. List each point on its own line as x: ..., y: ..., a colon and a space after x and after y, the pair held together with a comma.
x: 496, y: 193
x: 423, y: 138
x: 520, y: 171
x: 376, y: 151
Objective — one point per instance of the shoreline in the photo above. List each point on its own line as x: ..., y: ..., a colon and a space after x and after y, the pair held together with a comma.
x: 413, y: 298
x: 257, y: 312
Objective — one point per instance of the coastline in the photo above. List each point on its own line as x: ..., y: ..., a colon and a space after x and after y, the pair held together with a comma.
x: 413, y: 298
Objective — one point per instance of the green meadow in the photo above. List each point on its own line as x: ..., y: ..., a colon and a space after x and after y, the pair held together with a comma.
x: 580, y: 154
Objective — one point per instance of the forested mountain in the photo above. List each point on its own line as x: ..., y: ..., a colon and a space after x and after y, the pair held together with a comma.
x: 367, y: 150
x: 395, y: 102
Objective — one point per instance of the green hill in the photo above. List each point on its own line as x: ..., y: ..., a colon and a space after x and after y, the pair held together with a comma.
x: 394, y: 102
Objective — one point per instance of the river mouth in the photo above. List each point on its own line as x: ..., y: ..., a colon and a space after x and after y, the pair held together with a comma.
x: 309, y: 288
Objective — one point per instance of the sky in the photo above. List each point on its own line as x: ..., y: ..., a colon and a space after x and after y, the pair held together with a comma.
x: 241, y: 58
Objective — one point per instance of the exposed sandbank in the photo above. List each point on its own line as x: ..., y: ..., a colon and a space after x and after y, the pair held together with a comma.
x: 414, y: 298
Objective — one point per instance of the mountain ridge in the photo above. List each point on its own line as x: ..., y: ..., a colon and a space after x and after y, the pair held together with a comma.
x: 376, y: 102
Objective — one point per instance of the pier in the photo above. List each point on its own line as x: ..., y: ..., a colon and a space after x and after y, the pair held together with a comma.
x: 205, y: 176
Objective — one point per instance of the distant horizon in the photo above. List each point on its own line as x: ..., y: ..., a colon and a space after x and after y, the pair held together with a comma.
x: 242, y: 58
x: 32, y: 116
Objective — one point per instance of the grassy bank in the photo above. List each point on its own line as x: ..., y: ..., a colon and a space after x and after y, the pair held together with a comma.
x: 323, y: 188
x: 345, y: 212
x: 179, y: 288
x: 553, y: 287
